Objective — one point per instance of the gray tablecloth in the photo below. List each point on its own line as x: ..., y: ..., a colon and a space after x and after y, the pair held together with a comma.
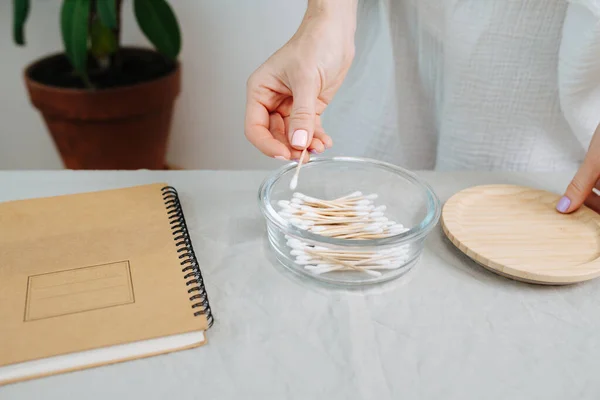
x: 447, y: 330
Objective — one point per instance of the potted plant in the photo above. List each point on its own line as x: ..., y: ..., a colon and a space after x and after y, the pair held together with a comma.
x: 107, y: 106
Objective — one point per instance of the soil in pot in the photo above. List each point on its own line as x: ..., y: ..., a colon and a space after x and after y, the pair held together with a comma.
x: 123, y: 123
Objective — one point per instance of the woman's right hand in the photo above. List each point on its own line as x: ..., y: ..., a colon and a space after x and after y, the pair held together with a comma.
x: 287, y: 94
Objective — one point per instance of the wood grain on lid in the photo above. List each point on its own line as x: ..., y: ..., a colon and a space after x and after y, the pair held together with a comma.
x: 516, y: 232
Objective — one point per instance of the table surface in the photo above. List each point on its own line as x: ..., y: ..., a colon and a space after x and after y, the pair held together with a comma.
x: 447, y: 330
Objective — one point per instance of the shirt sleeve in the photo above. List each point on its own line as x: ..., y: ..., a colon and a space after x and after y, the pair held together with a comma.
x: 579, y: 68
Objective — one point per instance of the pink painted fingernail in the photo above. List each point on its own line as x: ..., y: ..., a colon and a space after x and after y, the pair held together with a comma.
x: 563, y: 204
x: 300, y: 138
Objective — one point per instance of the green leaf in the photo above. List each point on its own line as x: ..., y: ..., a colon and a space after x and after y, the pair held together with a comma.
x: 103, y: 40
x: 158, y: 22
x: 107, y: 10
x: 20, y: 14
x: 74, y: 18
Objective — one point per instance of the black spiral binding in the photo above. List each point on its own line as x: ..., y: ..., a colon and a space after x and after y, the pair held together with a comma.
x: 191, y: 268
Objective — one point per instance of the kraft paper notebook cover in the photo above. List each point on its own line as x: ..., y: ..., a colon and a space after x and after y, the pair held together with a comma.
x: 96, y: 278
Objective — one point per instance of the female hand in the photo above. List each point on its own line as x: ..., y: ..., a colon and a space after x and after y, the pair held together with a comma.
x: 587, y: 178
x: 287, y: 94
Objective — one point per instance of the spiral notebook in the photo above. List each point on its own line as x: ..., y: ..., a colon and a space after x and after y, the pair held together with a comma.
x: 97, y: 278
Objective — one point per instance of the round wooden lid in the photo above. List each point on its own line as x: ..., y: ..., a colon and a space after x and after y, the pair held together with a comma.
x: 516, y: 232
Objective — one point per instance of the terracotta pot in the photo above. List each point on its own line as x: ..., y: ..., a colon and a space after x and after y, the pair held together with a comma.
x: 123, y: 127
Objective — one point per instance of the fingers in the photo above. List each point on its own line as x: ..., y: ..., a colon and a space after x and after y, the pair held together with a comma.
x: 581, y: 185
x: 296, y: 156
x: 321, y: 141
x: 321, y: 135
x: 316, y: 146
x: 283, y: 127
x: 257, y: 131
x: 277, y: 128
x: 303, y: 113
x: 325, y: 139
x: 593, y: 200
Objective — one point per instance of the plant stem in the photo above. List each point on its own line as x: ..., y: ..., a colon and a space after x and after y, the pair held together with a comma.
x: 116, y: 61
x: 118, y: 29
x: 88, y: 84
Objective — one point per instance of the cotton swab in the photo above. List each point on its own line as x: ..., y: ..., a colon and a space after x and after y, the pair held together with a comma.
x: 294, y: 181
x: 353, y: 217
x: 347, y: 264
x: 350, y: 217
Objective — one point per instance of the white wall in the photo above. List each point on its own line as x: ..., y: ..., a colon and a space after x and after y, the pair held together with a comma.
x: 223, y: 42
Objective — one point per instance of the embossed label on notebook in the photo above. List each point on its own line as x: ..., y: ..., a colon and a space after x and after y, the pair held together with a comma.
x: 77, y: 290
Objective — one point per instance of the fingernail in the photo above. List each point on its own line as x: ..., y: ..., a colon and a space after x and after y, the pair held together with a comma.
x: 563, y: 204
x: 299, y: 138
x: 280, y: 158
x: 313, y: 151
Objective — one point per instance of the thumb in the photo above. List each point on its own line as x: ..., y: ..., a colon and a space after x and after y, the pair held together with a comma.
x: 580, y: 186
x: 303, y: 114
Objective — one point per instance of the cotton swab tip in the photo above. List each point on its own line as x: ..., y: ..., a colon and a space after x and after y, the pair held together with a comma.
x: 298, y: 221
x: 294, y: 182
x: 283, y: 203
x: 305, y: 257
x: 373, y: 227
x: 303, y: 262
x: 296, y: 244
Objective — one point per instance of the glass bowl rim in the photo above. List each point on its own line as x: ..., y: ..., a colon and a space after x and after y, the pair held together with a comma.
x: 416, y: 232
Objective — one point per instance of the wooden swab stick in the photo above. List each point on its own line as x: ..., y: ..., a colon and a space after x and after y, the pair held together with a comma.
x: 369, y: 227
x: 294, y: 181
x: 316, y: 209
x: 344, y: 263
x: 351, y: 220
x: 357, y: 258
x: 354, y: 216
x: 302, y: 198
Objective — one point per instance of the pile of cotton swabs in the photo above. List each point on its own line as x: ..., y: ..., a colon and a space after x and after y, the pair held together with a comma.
x: 353, y: 217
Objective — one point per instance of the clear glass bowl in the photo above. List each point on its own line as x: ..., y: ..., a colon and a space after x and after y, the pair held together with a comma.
x: 408, y: 200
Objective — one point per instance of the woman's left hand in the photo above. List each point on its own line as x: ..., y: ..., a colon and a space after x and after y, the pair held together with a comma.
x: 587, y: 178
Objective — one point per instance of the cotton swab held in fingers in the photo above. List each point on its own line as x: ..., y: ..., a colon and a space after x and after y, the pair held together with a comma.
x: 294, y: 181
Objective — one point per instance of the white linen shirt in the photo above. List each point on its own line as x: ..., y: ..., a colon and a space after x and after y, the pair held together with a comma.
x: 471, y: 84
